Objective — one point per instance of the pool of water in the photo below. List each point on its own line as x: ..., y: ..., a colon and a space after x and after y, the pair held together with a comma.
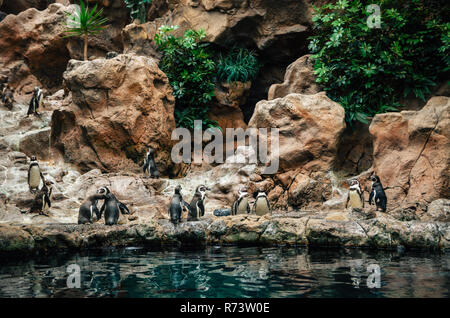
x: 229, y: 272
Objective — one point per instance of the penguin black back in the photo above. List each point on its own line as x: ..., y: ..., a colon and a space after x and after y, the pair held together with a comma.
x: 377, y: 194
x: 175, y: 208
x: 111, y: 208
x: 89, y: 207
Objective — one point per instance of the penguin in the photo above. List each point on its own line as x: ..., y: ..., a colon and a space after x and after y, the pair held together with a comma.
x: 241, y: 206
x: 41, y: 202
x: 150, y: 165
x: 176, y: 206
x: 355, y: 195
x: 7, y: 96
x: 377, y: 194
x: 111, y: 206
x: 197, y: 207
x: 261, y: 205
x: 111, y: 55
x: 34, y: 175
x: 36, y: 101
x: 88, y: 208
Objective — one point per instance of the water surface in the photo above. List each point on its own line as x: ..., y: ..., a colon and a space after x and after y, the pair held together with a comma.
x: 230, y: 272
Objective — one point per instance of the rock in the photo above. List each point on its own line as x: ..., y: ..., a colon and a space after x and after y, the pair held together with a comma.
x: 412, y: 153
x: 307, y: 192
x: 299, y: 78
x: 309, y: 128
x: 36, y: 143
x: 33, y: 47
x: 438, y: 210
x: 17, y: 6
x: 13, y: 239
x: 226, y: 109
x: 120, y: 107
x: 138, y: 39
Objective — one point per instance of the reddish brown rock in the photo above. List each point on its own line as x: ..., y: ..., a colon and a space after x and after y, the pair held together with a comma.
x: 33, y: 47
x: 299, y: 78
x: 309, y: 130
x: 412, y: 153
x: 120, y: 107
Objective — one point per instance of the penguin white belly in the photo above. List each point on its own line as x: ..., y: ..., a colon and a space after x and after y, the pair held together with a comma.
x: 35, y: 177
x: 242, y: 207
x: 261, y: 207
x: 355, y: 200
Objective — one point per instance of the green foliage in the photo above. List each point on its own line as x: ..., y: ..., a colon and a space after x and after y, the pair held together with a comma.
x: 138, y: 9
x: 238, y: 65
x: 84, y: 21
x: 367, y: 70
x: 190, y: 69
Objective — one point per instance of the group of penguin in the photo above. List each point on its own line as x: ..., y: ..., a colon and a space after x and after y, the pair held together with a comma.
x: 196, y: 208
x: 355, y: 198
x: 112, y: 207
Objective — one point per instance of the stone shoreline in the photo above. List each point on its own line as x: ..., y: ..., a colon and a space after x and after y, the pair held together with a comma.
x: 380, y: 232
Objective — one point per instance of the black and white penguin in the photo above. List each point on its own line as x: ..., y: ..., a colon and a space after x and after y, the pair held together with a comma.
x: 7, y: 96
x: 88, y: 208
x: 261, y: 205
x: 34, y: 175
x: 112, y: 207
x: 197, y: 207
x: 241, y: 206
x: 41, y: 202
x: 36, y: 101
x: 377, y: 194
x: 176, y: 206
x: 355, y: 196
x: 150, y: 164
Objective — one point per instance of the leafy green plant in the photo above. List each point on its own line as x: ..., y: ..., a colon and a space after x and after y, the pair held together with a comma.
x: 368, y: 70
x: 138, y: 9
x: 190, y: 69
x: 84, y: 22
x: 238, y: 65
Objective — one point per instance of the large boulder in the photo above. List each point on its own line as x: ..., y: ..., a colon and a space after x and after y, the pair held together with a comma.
x: 309, y: 129
x: 34, y: 48
x: 299, y: 78
x: 412, y: 152
x: 120, y: 107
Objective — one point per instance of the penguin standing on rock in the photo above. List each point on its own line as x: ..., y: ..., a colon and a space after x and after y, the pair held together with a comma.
x: 176, y: 206
x: 41, y: 202
x: 111, y: 206
x: 150, y: 164
x: 241, y: 206
x: 88, y: 208
x: 34, y: 175
x: 262, y: 205
x: 197, y: 207
x: 377, y: 194
x: 355, y: 196
x: 36, y: 101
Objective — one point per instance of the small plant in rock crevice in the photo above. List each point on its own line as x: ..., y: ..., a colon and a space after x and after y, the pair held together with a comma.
x: 238, y: 65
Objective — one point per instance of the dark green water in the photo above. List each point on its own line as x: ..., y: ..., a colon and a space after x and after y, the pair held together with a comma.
x: 229, y: 272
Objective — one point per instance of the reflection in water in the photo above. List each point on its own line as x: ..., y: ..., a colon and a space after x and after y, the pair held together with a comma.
x: 229, y: 272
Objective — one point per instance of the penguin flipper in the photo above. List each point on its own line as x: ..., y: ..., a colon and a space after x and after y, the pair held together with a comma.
x: 123, y: 208
x: 145, y: 166
x: 371, y: 197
